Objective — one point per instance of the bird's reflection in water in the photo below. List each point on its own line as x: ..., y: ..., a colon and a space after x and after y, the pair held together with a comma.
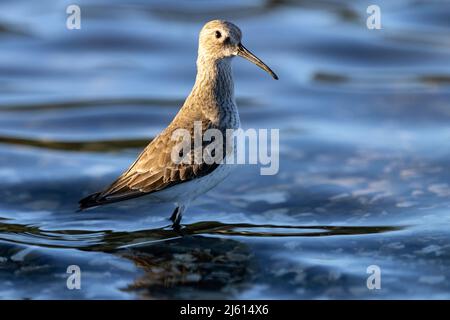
x: 200, y: 265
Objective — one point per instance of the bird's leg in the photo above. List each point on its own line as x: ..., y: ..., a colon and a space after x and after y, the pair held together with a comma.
x: 177, y: 215
x: 176, y: 221
x: 174, y: 215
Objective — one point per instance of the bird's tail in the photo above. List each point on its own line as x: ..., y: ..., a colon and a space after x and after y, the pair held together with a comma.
x: 99, y: 198
x: 90, y: 201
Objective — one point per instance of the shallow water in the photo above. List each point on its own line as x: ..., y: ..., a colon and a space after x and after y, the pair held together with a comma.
x: 364, y: 151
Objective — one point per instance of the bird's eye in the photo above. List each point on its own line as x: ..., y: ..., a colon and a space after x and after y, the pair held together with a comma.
x: 218, y: 34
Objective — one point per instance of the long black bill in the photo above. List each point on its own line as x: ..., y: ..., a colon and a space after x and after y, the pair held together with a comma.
x: 244, y: 53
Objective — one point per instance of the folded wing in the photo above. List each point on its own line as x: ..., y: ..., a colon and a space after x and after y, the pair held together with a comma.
x: 154, y: 170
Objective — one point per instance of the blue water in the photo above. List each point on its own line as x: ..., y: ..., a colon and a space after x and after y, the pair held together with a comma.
x: 364, y: 151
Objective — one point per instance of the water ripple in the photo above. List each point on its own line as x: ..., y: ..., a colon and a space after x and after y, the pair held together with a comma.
x: 107, y: 240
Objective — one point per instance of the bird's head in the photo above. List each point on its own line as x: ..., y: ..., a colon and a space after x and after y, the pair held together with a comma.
x: 221, y: 39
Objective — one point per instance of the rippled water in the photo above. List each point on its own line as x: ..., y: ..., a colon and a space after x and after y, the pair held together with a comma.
x: 364, y: 175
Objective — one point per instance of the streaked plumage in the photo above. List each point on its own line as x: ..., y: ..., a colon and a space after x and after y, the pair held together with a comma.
x: 212, y: 102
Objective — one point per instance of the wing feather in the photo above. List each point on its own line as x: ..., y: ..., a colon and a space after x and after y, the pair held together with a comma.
x: 154, y: 169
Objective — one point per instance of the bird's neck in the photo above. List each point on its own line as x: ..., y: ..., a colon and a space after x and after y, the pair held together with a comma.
x: 214, y: 83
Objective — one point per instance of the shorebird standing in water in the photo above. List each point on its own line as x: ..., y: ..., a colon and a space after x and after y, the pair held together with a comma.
x: 212, y: 103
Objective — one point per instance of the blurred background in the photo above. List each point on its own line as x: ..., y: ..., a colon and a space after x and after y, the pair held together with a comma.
x: 364, y: 151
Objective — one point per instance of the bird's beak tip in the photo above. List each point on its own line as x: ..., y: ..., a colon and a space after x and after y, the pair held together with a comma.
x: 245, y: 53
x: 273, y: 75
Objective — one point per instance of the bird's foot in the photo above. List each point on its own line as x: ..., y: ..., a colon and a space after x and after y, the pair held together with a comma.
x: 177, y: 228
x: 176, y: 219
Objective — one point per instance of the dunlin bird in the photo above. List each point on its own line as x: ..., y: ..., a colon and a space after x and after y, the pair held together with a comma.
x: 211, y: 102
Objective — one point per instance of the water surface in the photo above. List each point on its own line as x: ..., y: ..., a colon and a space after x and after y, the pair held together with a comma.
x: 364, y: 151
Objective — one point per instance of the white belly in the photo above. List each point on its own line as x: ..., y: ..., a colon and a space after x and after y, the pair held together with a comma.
x: 187, y: 191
